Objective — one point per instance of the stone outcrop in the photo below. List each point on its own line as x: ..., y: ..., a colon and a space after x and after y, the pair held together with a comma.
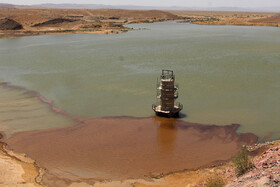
x: 9, y: 24
x: 54, y: 22
x: 265, y: 173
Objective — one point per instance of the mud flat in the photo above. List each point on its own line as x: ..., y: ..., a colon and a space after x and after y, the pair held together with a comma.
x: 127, y: 148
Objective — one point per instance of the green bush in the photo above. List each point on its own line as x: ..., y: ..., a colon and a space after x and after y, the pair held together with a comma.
x: 215, y: 181
x: 242, y: 162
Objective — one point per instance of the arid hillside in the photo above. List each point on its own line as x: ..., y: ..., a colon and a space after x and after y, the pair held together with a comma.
x: 8, y: 24
x: 30, y: 17
x: 53, y: 21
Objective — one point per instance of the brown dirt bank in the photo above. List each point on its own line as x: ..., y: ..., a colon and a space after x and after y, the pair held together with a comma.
x: 17, y: 170
x: 119, y: 148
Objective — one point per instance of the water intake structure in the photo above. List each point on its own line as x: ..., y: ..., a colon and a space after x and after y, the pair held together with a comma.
x: 167, y: 93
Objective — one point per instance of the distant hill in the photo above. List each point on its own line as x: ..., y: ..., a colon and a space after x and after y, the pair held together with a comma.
x: 133, y: 7
x: 5, y: 6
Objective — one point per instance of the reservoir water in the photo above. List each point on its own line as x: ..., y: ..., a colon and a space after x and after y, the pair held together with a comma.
x: 226, y: 74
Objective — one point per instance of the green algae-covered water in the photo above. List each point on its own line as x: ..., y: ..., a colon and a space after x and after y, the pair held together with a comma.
x: 226, y: 74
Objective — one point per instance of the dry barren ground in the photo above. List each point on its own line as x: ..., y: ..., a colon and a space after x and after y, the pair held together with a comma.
x: 230, y: 18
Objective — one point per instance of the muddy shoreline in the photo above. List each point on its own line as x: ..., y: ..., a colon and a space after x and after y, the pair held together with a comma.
x: 17, y: 34
x: 123, y: 148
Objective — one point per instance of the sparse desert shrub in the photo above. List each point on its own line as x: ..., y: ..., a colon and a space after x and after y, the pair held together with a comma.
x: 215, y: 181
x: 242, y: 162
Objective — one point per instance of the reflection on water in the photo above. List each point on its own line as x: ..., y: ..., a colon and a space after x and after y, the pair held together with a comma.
x: 166, y: 134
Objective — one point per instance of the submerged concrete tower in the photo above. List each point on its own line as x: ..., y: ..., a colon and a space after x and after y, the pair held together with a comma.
x: 167, y: 92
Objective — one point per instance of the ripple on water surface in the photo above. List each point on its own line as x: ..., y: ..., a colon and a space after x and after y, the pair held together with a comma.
x: 23, y: 110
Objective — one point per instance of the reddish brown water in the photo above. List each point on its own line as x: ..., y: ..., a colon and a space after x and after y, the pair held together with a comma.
x: 125, y: 147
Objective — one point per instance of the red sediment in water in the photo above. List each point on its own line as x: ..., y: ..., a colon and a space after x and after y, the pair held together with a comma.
x: 123, y: 147
x: 42, y: 99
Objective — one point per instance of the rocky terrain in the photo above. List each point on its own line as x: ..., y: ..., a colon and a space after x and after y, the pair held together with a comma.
x: 9, y: 24
x: 265, y: 173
